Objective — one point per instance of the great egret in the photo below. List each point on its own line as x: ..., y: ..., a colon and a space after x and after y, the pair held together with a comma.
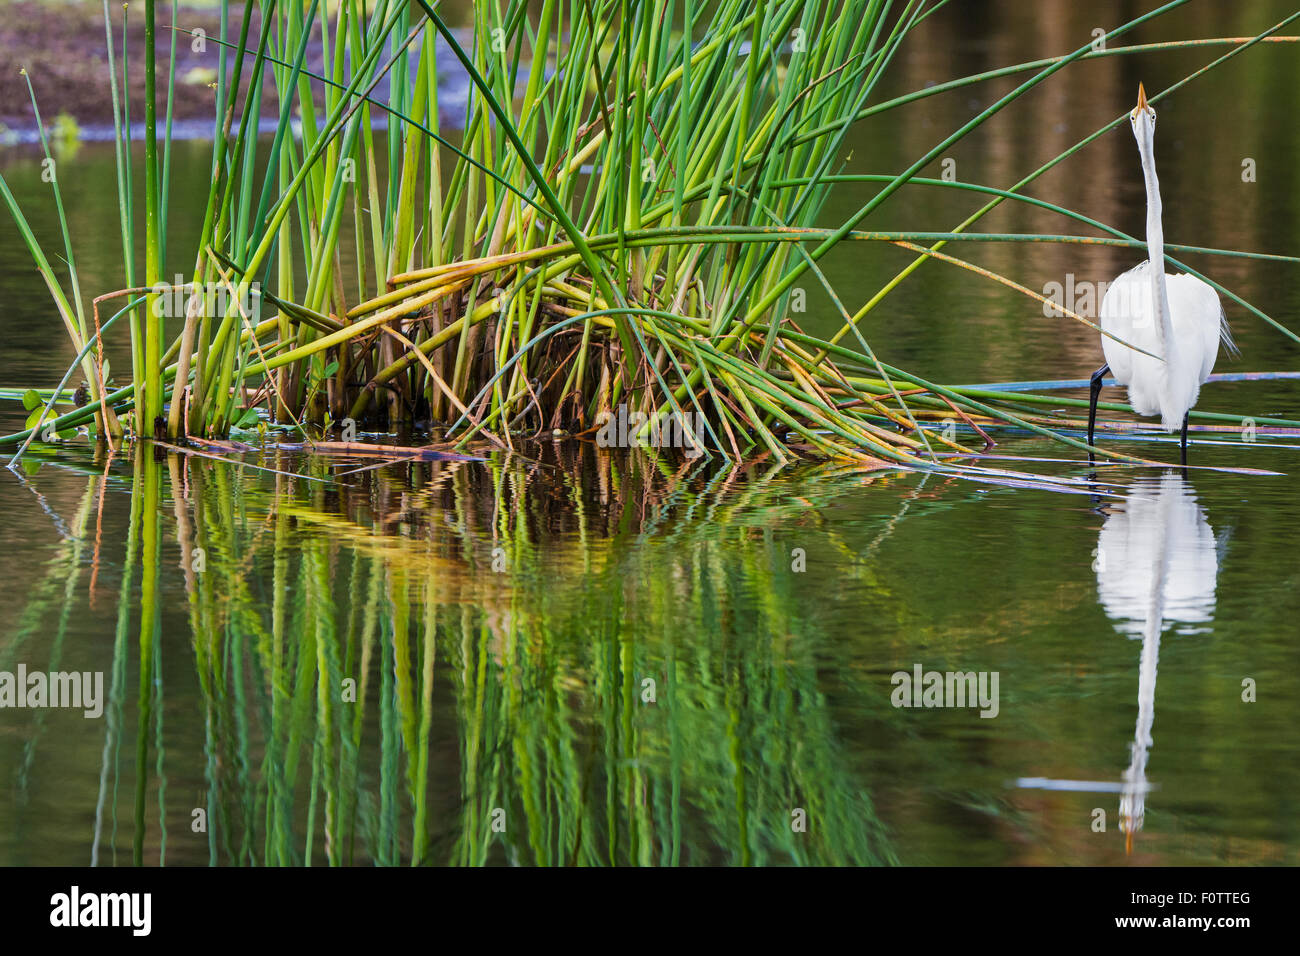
x: 1177, y: 317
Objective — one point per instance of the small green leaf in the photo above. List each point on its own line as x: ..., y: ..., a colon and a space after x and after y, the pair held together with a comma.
x: 53, y: 413
x: 248, y: 419
x: 31, y: 400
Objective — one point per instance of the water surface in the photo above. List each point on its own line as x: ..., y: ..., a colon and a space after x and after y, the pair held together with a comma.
x: 573, y: 657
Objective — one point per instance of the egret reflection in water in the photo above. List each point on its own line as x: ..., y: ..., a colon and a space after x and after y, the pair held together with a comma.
x: 1157, y: 566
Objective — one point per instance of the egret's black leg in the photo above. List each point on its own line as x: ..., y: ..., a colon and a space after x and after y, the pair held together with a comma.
x: 1095, y: 390
x: 1184, y: 443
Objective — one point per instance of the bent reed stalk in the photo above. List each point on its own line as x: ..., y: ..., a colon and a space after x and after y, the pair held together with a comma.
x: 621, y: 223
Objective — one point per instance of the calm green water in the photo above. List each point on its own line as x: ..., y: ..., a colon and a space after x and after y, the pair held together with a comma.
x: 600, y: 659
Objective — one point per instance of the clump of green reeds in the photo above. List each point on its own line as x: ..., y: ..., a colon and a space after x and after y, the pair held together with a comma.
x: 631, y: 206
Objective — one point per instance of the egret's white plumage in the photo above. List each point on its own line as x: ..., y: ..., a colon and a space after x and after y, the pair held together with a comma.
x: 1176, y: 317
x: 1167, y: 388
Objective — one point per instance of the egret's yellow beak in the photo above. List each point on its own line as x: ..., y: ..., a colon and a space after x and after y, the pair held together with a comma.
x: 1128, y: 843
x: 1142, y: 98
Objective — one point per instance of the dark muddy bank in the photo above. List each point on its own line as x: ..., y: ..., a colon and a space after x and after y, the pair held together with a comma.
x: 63, y: 48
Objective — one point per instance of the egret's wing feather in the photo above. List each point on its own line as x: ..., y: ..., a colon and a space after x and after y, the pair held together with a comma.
x: 1198, y: 322
x: 1125, y: 313
x: 1225, y: 333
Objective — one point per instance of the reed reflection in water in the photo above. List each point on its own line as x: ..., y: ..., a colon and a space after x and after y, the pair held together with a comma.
x: 453, y: 662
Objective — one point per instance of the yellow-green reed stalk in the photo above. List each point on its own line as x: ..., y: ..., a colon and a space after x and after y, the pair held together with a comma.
x: 402, y: 255
x: 149, y: 409
x: 125, y: 191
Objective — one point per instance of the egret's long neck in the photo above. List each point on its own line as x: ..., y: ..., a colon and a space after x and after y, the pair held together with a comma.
x: 1156, y: 243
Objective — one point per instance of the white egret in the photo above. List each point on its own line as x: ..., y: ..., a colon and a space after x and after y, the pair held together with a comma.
x: 1177, y: 317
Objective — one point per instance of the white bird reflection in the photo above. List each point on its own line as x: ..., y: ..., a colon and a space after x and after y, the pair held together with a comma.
x: 1157, y: 565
